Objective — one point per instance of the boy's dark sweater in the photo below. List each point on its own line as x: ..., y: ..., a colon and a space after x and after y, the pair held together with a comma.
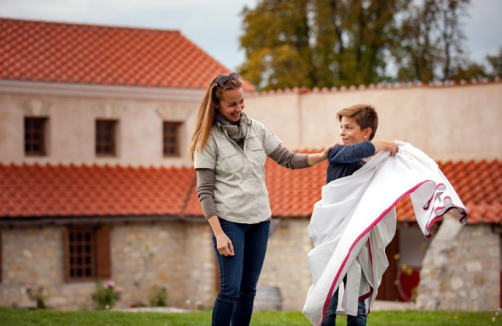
x: 345, y: 160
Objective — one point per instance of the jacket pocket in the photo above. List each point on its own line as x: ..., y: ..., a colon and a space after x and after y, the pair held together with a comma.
x: 256, y: 151
x: 228, y: 159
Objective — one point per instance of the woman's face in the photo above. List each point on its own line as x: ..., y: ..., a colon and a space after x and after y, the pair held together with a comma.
x: 231, y: 105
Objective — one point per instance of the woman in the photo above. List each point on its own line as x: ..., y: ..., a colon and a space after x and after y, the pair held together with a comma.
x: 229, y: 152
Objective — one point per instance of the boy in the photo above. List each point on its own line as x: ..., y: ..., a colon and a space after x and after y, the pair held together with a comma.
x: 358, y: 125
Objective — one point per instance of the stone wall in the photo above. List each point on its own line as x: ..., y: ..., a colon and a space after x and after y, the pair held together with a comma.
x: 199, y: 264
x: 35, y: 256
x: 175, y: 255
x: 286, y: 261
x: 461, y: 270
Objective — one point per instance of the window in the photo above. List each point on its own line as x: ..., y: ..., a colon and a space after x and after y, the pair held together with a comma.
x: 171, y: 139
x: 34, y: 136
x: 105, y: 137
x: 87, y: 254
x: 81, y: 254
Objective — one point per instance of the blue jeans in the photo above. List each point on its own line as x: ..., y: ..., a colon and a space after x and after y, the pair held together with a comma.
x: 330, y: 317
x: 239, y: 273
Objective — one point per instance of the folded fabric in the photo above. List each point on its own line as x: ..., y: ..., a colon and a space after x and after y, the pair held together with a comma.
x: 355, y: 220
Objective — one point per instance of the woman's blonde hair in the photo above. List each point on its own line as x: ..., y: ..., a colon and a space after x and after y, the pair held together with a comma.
x: 207, y: 112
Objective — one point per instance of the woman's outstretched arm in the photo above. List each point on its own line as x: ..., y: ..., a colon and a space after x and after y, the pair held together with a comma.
x: 291, y: 160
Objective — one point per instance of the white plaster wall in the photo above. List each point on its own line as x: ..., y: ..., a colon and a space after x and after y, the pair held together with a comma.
x: 281, y: 114
x: 447, y: 123
x: 71, y: 129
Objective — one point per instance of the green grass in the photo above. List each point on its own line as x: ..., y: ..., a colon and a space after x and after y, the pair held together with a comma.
x: 19, y: 317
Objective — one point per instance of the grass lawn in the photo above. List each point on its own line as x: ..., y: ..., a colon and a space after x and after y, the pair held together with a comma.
x: 18, y: 317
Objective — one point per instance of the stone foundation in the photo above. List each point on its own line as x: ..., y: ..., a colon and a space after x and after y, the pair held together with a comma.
x: 461, y: 270
x: 286, y: 262
x: 175, y: 255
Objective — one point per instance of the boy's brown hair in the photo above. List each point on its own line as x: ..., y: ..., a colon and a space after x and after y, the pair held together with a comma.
x: 364, y: 115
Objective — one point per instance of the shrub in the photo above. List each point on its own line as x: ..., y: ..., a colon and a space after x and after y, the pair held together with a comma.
x: 37, y: 294
x: 106, y: 295
x: 158, y: 296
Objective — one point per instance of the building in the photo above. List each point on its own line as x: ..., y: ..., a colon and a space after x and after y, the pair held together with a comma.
x: 94, y: 183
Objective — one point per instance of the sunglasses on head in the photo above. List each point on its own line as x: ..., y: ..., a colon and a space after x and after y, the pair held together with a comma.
x: 225, y: 79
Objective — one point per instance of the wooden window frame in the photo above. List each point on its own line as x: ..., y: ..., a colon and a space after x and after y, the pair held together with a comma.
x: 171, y: 138
x: 106, y: 138
x: 99, y: 264
x: 35, y: 129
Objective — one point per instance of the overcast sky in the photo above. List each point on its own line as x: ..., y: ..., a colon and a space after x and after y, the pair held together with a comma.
x: 215, y: 25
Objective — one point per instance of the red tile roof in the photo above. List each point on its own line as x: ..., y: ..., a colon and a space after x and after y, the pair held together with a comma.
x: 293, y: 193
x: 79, y: 191
x: 52, y: 52
x: 52, y: 191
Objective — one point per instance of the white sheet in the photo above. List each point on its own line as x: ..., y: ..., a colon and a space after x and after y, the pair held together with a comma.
x: 355, y: 220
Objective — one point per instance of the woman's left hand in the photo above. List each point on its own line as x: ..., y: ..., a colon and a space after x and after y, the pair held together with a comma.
x: 326, y: 151
x: 319, y: 157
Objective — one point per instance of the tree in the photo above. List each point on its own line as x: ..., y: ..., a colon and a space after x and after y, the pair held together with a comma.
x: 317, y: 43
x: 415, y: 51
x: 432, y: 41
x: 352, y: 38
x: 325, y: 43
x: 277, y: 45
x: 468, y: 71
x: 496, y: 63
x: 451, y: 35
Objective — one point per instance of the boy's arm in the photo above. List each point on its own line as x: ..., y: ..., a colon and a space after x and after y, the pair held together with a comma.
x: 351, y: 153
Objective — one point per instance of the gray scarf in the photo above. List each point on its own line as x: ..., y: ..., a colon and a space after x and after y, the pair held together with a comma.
x: 236, y: 132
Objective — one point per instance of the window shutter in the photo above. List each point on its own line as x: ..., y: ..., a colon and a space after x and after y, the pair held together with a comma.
x: 1, y: 254
x: 103, y: 253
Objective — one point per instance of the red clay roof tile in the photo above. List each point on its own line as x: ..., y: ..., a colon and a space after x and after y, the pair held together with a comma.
x: 104, y: 55
x: 478, y: 184
x: 45, y: 191
x: 40, y: 191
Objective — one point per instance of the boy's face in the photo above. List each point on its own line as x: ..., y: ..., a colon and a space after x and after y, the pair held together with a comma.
x: 351, y: 133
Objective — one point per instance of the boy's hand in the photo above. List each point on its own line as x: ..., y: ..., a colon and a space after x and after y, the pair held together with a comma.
x: 385, y: 146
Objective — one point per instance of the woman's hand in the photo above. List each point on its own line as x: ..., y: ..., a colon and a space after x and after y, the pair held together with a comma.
x: 224, y: 245
x: 319, y: 157
x: 326, y: 151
